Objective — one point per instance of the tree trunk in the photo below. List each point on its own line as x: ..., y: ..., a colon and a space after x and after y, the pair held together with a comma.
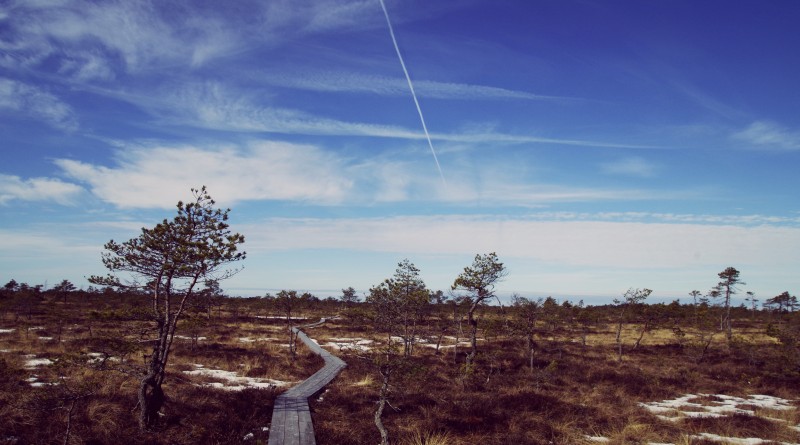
x: 293, y: 343
x: 641, y: 334
x: 728, y: 332
x: 473, y: 327
x: 384, y: 395
x: 151, y: 398
x: 531, y: 352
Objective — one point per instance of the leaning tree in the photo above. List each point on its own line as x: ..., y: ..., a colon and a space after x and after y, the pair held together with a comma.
x: 171, y: 261
x: 478, y: 281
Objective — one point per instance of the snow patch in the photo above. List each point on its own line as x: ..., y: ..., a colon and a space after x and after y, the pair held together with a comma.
x: 184, y: 337
x: 33, y: 362
x: 730, y: 440
x: 253, y: 340
x: 355, y: 344
x: 7, y: 331
x: 99, y: 357
x: 716, y: 406
x: 721, y: 405
x: 234, y: 382
x: 34, y: 382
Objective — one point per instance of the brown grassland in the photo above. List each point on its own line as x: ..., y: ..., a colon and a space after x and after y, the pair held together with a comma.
x: 566, y: 391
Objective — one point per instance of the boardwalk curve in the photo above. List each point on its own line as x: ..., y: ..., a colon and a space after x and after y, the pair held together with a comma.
x: 291, y: 417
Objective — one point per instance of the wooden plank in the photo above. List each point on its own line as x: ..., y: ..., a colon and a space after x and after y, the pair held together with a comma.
x: 291, y: 416
x: 306, y: 427
x: 276, y: 430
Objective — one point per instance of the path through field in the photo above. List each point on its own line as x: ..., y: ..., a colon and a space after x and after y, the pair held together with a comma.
x: 291, y: 418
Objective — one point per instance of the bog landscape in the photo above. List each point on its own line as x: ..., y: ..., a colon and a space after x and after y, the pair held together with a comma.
x: 434, y: 222
x: 164, y: 356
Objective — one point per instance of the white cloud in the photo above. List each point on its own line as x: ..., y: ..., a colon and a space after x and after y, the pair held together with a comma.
x: 220, y: 107
x: 98, y: 40
x: 351, y: 82
x: 770, y: 135
x: 595, y: 244
x: 632, y: 166
x: 504, y: 191
x: 90, y: 40
x: 325, y: 16
x: 213, y: 105
x: 157, y: 176
x: 36, y: 103
x: 494, y: 137
x: 37, y: 189
x: 688, y: 218
x: 160, y: 176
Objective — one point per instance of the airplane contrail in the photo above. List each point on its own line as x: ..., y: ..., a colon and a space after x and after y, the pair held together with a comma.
x: 413, y: 93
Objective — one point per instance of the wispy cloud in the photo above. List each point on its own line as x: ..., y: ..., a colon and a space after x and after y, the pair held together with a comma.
x: 217, y: 106
x: 159, y: 176
x: 325, y: 16
x: 769, y: 135
x: 573, y: 243
x: 505, y: 192
x: 100, y: 41
x: 497, y: 137
x: 14, y: 188
x: 631, y: 166
x: 212, y: 105
x: 156, y: 175
x: 706, y: 100
x: 679, y: 218
x: 36, y: 103
x: 351, y: 82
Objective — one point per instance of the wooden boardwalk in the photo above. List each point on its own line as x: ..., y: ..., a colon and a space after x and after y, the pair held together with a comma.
x: 291, y: 417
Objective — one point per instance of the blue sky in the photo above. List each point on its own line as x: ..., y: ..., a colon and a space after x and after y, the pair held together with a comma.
x: 594, y: 145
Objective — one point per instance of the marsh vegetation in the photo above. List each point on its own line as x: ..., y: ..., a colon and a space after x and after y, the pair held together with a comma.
x: 544, y: 371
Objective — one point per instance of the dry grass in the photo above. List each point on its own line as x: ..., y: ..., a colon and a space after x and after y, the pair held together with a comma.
x: 572, y: 392
x: 104, y: 395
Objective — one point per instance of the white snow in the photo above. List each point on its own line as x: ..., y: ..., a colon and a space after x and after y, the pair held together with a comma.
x: 730, y: 440
x: 716, y: 406
x: 184, y: 337
x: 45, y: 338
x: 233, y: 381
x: 721, y: 406
x: 36, y: 362
x: 598, y: 439
x: 33, y: 381
x: 702, y: 414
x: 253, y: 340
x: 98, y: 357
x: 668, y: 418
x: 7, y: 331
x: 356, y: 344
